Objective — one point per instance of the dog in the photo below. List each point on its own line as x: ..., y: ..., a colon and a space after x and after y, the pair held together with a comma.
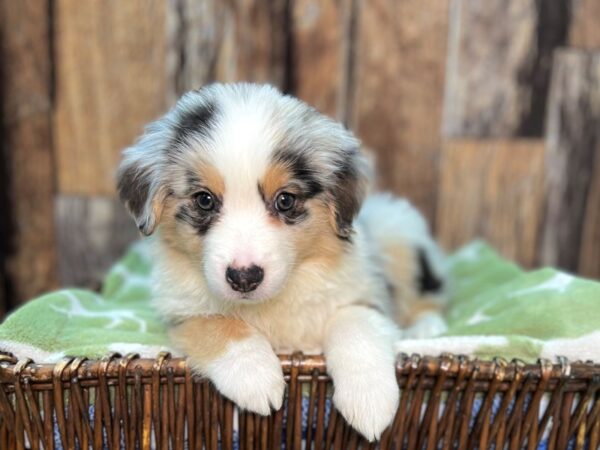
x: 264, y: 243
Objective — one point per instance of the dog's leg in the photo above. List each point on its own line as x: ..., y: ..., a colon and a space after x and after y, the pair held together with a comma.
x: 361, y: 360
x: 236, y: 358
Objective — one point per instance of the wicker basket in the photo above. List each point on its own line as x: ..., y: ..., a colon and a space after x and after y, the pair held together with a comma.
x: 448, y: 402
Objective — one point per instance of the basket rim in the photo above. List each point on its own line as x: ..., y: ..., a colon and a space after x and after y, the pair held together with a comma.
x: 114, y: 365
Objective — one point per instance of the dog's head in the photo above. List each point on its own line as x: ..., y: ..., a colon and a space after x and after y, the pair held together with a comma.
x: 246, y: 183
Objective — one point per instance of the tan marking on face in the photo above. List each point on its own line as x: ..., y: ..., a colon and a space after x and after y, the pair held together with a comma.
x: 180, y: 239
x: 211, y: 178
x: 276, y: 177
x: 316, y: 240
x: 179, y: 236
x: 205, y: 338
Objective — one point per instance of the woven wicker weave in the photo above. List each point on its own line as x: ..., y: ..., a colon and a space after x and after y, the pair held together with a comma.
x: 146, y: 403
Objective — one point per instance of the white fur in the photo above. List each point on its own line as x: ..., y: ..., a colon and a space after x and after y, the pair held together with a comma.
x: 243, y: 238
x: 393, y: 218
x: 249, y: 373
x: 395, y: 222
x: 360, y: 357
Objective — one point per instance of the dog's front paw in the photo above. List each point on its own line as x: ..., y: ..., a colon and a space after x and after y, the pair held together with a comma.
x: 250, y: 375
x: 367, y: 401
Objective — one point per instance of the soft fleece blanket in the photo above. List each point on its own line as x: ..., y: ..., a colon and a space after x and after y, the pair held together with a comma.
x: 497, y: 309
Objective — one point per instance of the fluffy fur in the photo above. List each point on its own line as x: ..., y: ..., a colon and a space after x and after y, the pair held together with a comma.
x: 331, y: 279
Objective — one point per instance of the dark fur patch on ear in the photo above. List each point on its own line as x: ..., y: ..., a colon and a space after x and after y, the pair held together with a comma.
x: 427, y: 280
x: 300, y: 170
x: 346, y: 197
x: 195, y: 121
x: 134, y: 187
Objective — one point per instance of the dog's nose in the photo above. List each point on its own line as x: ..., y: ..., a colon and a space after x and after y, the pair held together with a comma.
x: 244, y: 279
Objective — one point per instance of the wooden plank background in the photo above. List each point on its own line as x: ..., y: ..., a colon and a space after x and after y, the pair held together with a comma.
x: 401, y: 51
x: 500, y: 56
x: 27, y: 185
x: 453, y: 97
x: 104, y: 52
x: 493, y: 188
x: 572, y: 141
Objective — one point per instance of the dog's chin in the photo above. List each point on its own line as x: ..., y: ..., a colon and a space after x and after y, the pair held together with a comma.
x: 262, y: 294
x: 249, y: 298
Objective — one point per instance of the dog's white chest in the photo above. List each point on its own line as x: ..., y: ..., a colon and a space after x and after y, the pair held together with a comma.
x: 292, y: 326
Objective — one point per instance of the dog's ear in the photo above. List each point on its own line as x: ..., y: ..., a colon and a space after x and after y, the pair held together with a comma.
x: 144, y: 171
x: 350, y: 181
x: 139, y: 180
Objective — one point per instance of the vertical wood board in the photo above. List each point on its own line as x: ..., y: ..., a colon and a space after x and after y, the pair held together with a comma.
x: 401, y: 56
x: 227, y: 41
x: 27, y: 250
x: 572, y: 139
x: 493, y: 189
x: 92, y: 233
x: 585, y: 25
x: 110, y: 81
x: 499, y: 65
x: 317, y: 58
x: 589, y: 257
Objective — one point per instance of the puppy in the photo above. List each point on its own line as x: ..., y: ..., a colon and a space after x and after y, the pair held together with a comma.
x: 262, y: 247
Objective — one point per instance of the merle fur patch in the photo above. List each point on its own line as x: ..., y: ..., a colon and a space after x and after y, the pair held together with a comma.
x: 427, y: 280
x: 196, y: 121
x: 193, y: 182
x: 134, y: 188
x: 346, y: 197
x: 201, y: 221
x: 299, y: 167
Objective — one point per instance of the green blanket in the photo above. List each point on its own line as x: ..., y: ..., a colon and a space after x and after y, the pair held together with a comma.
x: 496, y: 310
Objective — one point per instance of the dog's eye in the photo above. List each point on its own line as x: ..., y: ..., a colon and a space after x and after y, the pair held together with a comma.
x: 205, y: 201
x: 285, y: 202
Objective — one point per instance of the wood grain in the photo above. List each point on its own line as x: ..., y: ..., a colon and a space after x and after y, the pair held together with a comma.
x: 110, y: 81
x: 237, y: 40
x: 163, y: 397
x: 3, y: 299
x: 27, y: 249
x: 260, y: 43
x: 493, y: 189
x: 573, y: 136
x: 584, y: 30
x: 499, y: 63
x: 319, y: 45
x: 589, y: 257
x: 399, y: 92
x: 92, y: 232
